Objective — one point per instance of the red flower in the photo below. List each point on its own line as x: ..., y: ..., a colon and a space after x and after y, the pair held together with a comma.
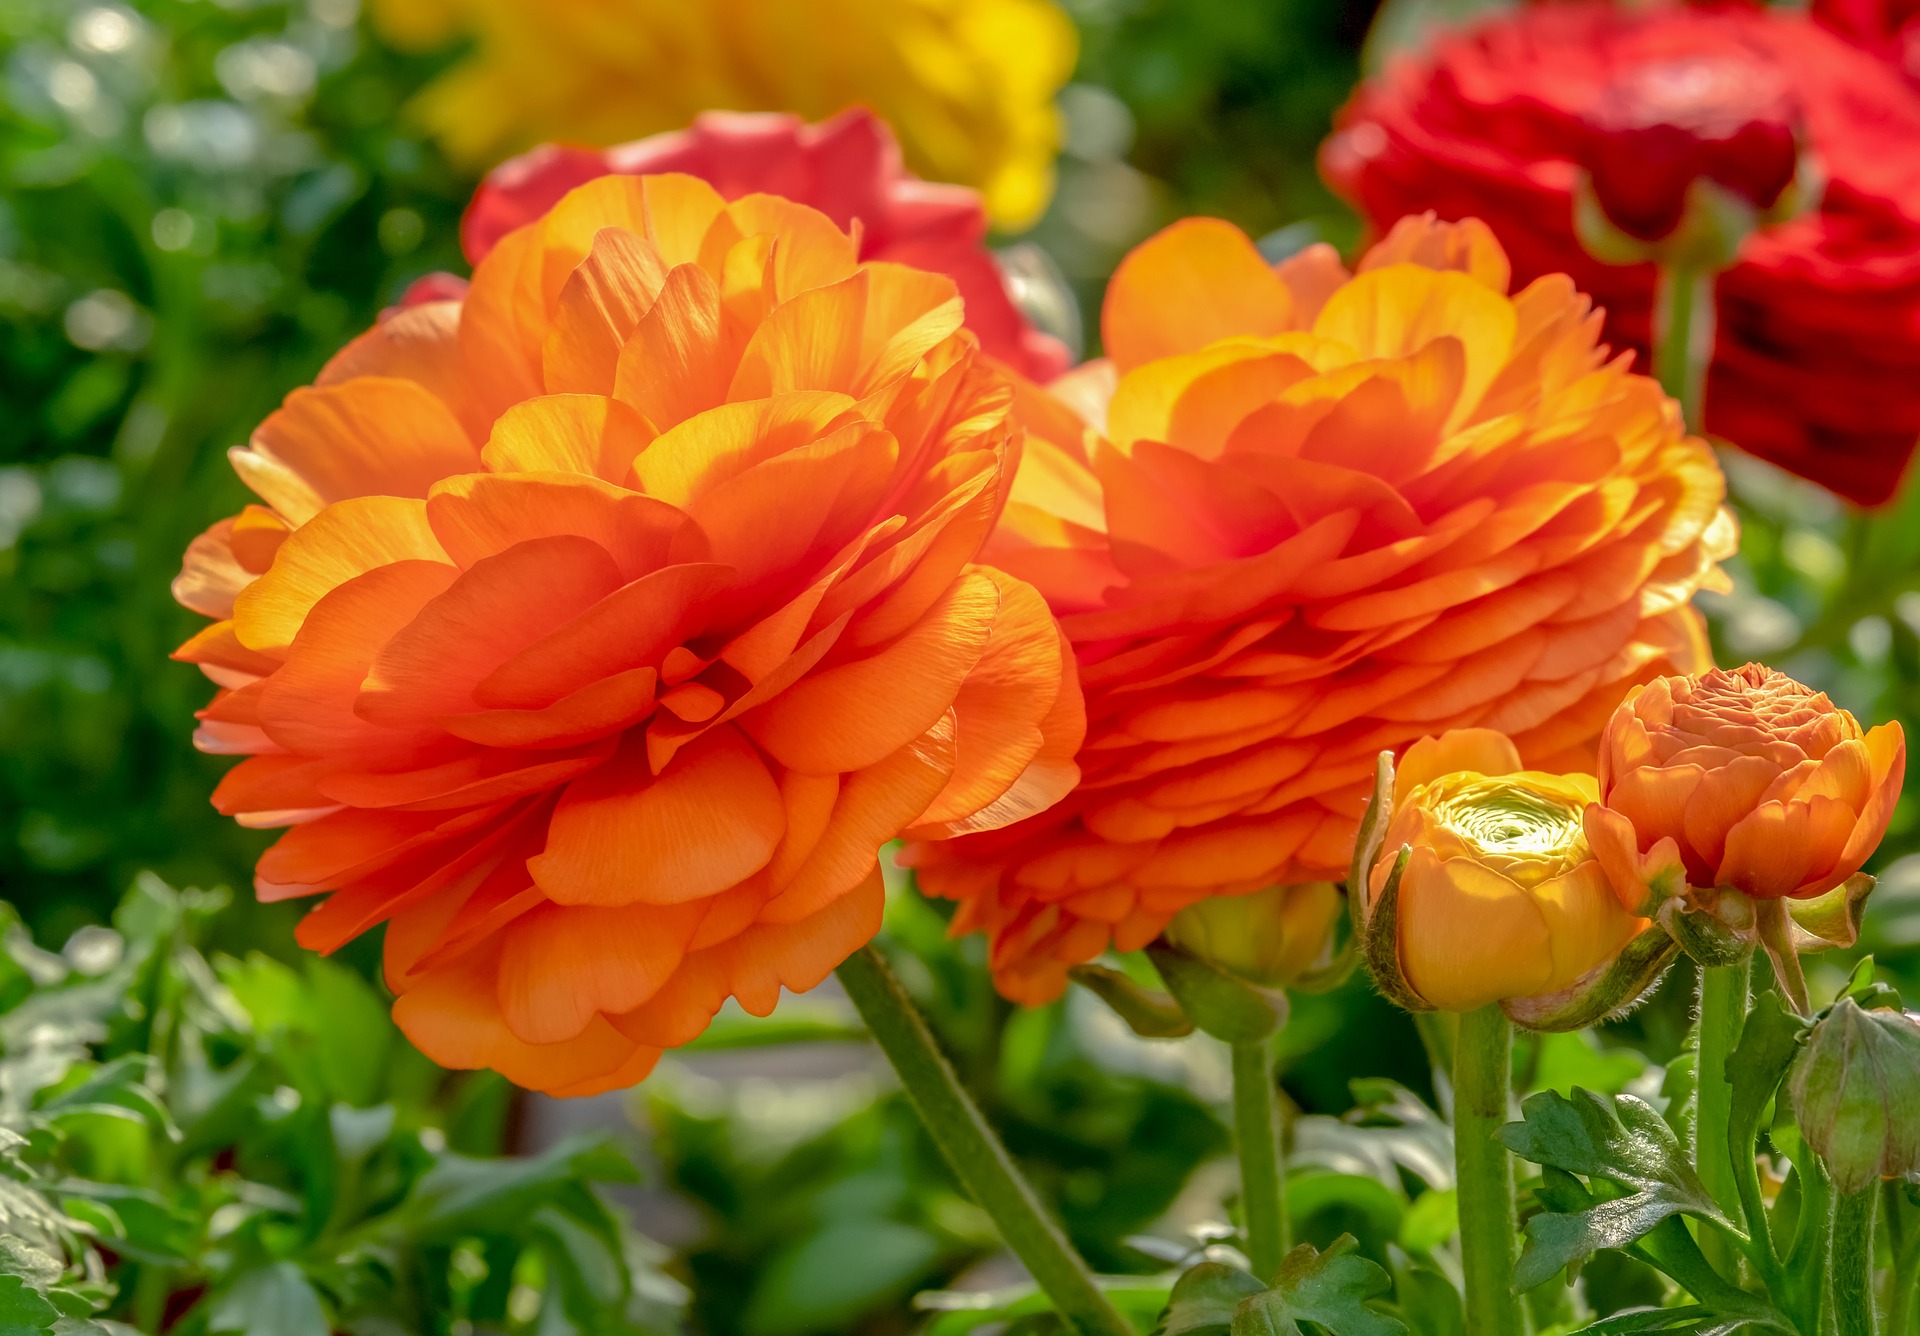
x: 1888, y: 28
x: 1658, y: 125
x: 1817, y: 364
x: 849, y: 168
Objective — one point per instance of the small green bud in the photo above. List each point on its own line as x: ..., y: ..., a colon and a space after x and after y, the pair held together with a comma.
x: 1271, y: 937
x: 1856, y: 1094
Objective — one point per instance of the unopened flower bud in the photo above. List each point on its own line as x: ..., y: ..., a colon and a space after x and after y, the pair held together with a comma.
x: 1271, y: 937
x: 1856, y: 1094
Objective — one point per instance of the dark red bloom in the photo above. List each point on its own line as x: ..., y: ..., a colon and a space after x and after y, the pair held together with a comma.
x: 848, y: 167
x: 1817, y: 362
x: 1659, y: 125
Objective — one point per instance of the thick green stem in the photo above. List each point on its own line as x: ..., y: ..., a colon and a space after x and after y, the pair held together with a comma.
x: 1683, y: 336
x: 1723, y: 1011
x: 1853, y: 1263
x: 1482, y: 1080
x: 1263, y: 1176
x: 972, y: 1150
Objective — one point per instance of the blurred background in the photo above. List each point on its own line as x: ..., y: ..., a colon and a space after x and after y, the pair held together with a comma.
x: 200, y: 200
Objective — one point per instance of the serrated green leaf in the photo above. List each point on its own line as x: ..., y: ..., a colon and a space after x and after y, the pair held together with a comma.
x: 1203, y: 1300
x: 1330, y: 1289
x: 1618, y: 1139
x: 23, y: 1309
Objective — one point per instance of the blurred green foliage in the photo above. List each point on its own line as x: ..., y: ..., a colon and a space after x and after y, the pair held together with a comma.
x: 207, y: 1144
x: 199, y: 202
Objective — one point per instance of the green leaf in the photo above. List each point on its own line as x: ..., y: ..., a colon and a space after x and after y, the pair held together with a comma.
x: 24, y: 1309
x: 1425, y: 1299
x: 1769, y: 1040
x: 1203, y: 1300
x: 460, y: 1195
x: 1330, y: 1289
x: 120, y: 1084
x: 1433, y: 1218
x: 1618, y: 1139
x: 354, y: 1039
x: 962, y: 1312
x: 277, y: 1298
x: 828, y: 1279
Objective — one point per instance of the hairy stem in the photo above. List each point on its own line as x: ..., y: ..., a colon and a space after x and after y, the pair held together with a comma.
x: 1482, y: 1076
x: 1263, y: 1174
x: 1853, y: 1263
x: 972, y: 1149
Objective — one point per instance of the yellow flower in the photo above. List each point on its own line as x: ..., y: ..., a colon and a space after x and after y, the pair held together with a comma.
x: 967, y: 84
x: 1500, y: 899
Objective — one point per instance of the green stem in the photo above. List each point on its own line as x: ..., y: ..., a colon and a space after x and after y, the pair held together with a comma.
x: 1482, y: 1079
x: 1683, y: 319
x: 1853, y: 1263
x: 1723, y: 1011
x: 975, y: 1154
x: 1906, y: 1273
x: 1263, y: 1181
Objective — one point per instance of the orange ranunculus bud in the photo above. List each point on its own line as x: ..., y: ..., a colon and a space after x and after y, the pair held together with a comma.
x: 1499, y: 898
x: 1303, y: 516
x: 1741, y: 779
x: 597, y: 629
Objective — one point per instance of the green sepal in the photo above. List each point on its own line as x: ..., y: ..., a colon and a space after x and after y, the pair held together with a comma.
x: 1380, y: 944
x: 1148, y: 1012
x: 1705, y: 934
x: 1833, y: 919
x: 1368, y: 839
x: 1856, y: 1094
x: 1225, y: 1006
x: 1603, y: 991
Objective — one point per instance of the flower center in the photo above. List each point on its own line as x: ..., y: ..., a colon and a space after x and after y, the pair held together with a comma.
x: 1526, y: 825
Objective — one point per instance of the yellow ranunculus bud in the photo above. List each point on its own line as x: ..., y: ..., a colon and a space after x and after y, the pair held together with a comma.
x: 1271, y: 937
x: 1500, y: 898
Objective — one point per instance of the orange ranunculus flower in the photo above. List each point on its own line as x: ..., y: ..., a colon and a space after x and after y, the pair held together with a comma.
x: 1317, y: 515
x: 1743, y: 779
x: 1500, y: 899
x: 596, y: 631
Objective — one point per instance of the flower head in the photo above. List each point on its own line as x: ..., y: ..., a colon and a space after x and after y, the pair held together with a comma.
x: 969, y: 84
x: 594, y: 632
x: 1817, y: 361
x: 1741, y: 779
x: 1318, y: 515
x: 848, y: 167
x: 1499, y: 897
